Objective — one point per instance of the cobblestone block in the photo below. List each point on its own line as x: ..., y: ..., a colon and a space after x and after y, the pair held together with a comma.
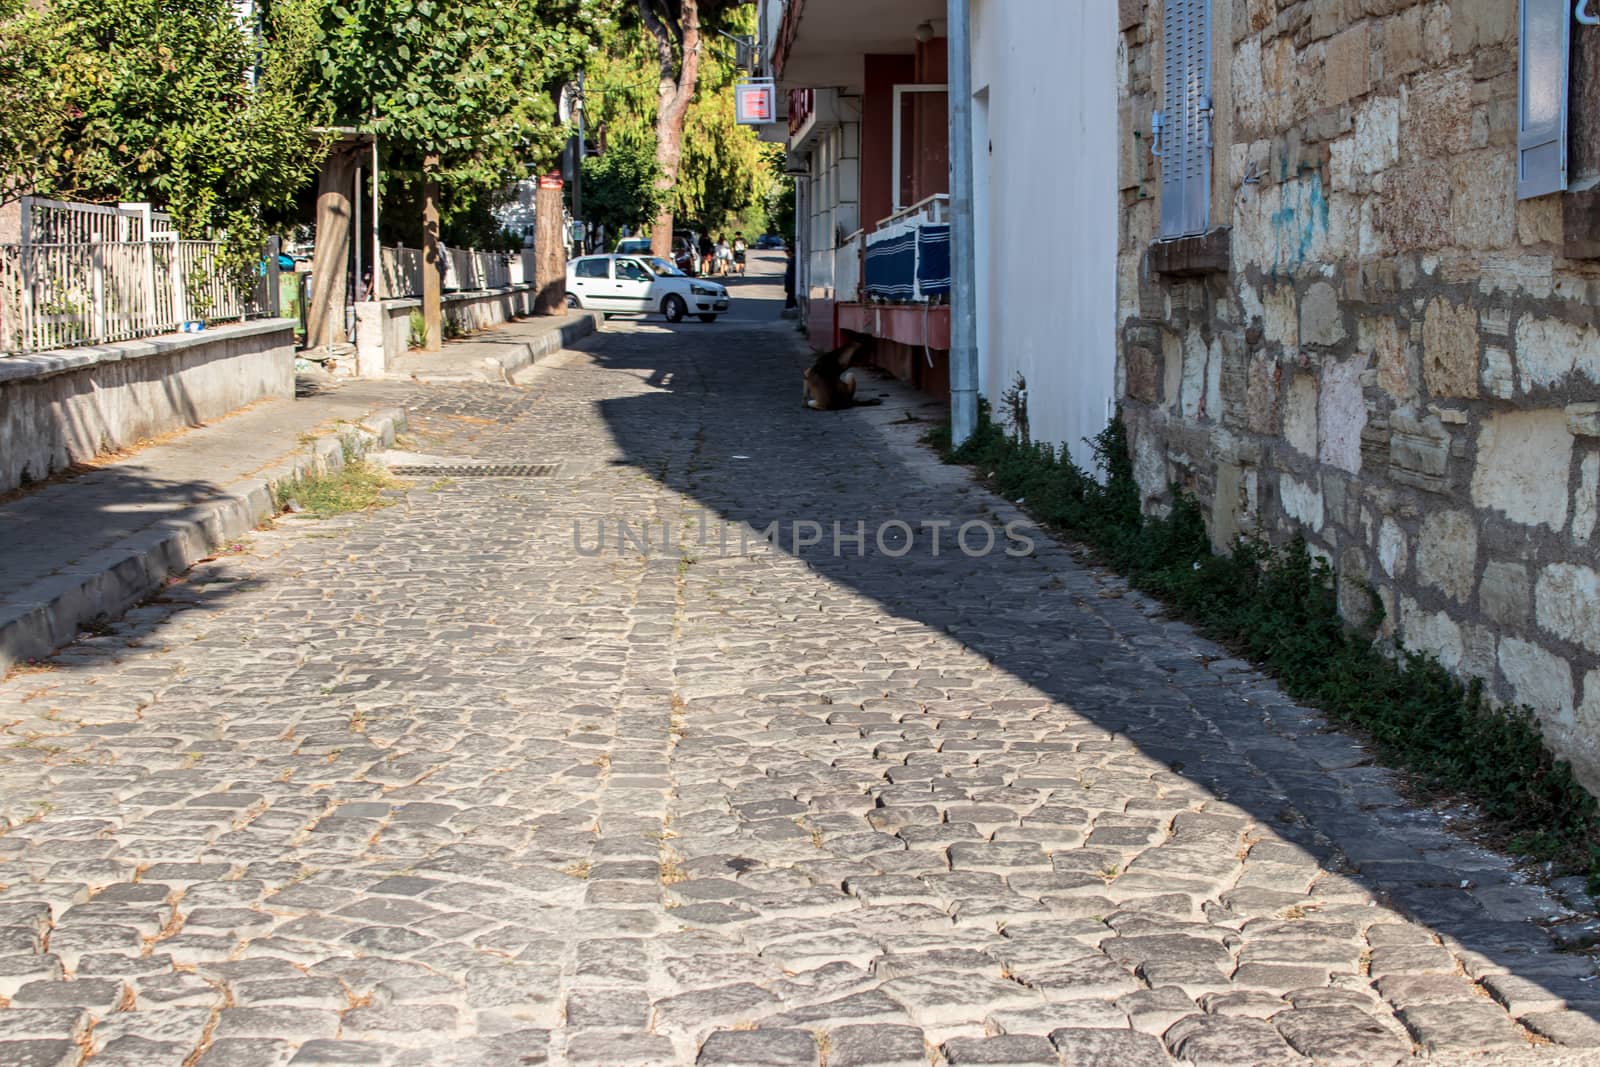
x: 1461, y: 1026
x: 870, y: 1045
x: 1221, y: 1041
x: 1007, y: 1050
x: 1340, y: 1036
x: 1108, y: 1048
x: 39, y: 1053
x: 759, y: 1048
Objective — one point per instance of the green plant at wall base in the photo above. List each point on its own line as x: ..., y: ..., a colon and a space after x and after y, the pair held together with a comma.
x: 356, y: 486
x: 417, y: 330
x: 1278, y: 605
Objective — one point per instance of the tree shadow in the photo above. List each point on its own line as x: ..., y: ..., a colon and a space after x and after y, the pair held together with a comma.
x: 92, y: 543
x: 724, y: 427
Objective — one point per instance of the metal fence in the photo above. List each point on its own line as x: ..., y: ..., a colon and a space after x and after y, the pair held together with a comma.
x: 465, y: 269
x: 61, y: 222
x: 62, y: 294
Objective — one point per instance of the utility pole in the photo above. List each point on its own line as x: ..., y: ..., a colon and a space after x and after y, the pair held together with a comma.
x: 963, y: 239
x: 583, y: 151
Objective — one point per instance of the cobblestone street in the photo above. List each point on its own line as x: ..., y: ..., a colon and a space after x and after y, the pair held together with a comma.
x: 441, y: 784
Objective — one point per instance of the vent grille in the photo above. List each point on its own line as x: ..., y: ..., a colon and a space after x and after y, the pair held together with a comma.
x: 475, y: 470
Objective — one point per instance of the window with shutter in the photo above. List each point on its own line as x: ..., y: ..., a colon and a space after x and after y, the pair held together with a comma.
x: 1546, y: 27
x: 1186, y: 131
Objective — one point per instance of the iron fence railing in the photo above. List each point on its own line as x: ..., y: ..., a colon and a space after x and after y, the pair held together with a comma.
x: 62, y: 222
x: 65, y: 294
x: 465, y: 269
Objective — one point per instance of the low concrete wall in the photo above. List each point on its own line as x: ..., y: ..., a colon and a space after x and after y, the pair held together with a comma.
x: 66, y: 407
x: 383, y: 329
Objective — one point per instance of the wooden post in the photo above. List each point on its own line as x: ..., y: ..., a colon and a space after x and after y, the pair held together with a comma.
x: 432, y: 256
x: 330, y: 269
x: 550, y: 250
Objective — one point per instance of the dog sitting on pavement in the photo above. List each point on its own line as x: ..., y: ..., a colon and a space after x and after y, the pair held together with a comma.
x: 830, y: 384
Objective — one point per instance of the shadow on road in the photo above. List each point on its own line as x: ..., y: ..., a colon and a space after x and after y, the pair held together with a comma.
x: 726, y: 429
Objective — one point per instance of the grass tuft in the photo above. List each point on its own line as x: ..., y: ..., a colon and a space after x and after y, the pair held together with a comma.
x: 357, y: 486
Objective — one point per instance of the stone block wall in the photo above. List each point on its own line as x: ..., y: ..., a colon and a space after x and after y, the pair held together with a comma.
x: 1398, y: 359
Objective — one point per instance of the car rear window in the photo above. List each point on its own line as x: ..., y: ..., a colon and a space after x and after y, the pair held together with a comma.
x: 592, y: 268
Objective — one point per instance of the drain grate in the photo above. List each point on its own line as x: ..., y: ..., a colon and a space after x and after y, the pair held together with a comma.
x: 475, y: 470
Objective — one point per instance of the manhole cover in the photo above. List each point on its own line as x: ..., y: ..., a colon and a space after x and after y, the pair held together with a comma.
x: 475, y: 470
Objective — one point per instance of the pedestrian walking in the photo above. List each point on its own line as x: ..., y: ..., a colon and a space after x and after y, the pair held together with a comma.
x: 707, y: 250
x: 739, y: 249
x: 724, y: 256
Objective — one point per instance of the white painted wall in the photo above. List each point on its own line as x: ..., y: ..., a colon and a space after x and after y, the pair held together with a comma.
x: 833, y: 204
x: 1048, y: 261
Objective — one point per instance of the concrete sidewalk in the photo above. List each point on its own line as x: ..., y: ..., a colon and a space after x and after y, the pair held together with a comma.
x: 93, y: 545
x: 497, y: 355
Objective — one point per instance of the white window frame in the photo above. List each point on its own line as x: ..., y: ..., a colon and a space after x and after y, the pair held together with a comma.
x: 899, y: 95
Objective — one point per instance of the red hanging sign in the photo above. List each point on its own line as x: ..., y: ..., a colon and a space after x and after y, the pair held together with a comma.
x: 753, y: 103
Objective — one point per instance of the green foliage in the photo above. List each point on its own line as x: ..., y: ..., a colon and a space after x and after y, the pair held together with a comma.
x: 416, y: 330
x: 725, y: 168
x: 468, y: 218
x: 1278, y: 605
x: 32, y: 115
x: 148, y: 100
x: 779, y: 199
x: 467, y: 80
x: 619, y: 187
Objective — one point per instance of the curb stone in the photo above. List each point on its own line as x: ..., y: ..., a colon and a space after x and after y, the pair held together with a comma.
x: 502, y: 369
x: 109, y: 582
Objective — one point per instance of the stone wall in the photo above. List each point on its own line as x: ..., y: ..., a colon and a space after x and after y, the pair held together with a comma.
x: 1392, y: 355
x: 383, y: 328
x: 61, y: 408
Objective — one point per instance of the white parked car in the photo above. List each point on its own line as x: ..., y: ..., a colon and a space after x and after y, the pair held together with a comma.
x: 642, y: 285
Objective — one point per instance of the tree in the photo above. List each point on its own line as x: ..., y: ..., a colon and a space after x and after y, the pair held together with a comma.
x: 457, y: 90
x: 619, y: 187
x: 31, y: 113
x: 677, y: 28
x: 779, y: 200
x: 147, y: 100
x: 723, y: 168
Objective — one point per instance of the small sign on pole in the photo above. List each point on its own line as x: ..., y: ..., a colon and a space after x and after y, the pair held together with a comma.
x: 754, y: 102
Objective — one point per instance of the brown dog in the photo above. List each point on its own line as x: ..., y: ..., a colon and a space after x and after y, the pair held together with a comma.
x: 830, y: 384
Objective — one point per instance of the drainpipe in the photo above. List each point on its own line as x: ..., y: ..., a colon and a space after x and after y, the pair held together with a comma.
x: 963, y: 242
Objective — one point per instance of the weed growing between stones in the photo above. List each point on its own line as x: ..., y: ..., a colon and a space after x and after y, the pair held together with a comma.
x: 357, y: 486
x: 1277, y: 605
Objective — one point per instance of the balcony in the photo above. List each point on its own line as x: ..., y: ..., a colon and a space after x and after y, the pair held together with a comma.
x: 824, y: 42
x: 907, y: 258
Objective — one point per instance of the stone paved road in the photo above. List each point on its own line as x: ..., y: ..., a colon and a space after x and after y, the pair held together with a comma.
x: 438, y: 786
